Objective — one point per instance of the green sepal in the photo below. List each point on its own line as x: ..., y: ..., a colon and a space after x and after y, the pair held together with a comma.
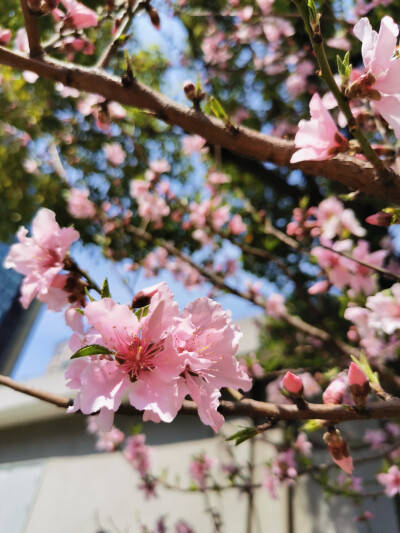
x: 79, y: 310
x: 105, y: 290
x: 91, y: 349
x: 88, y: 295
x: 243, y: 435
x: 142, y: 312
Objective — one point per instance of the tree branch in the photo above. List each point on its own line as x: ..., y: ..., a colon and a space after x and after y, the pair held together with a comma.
x: 246, y: 407
x: 32, y: 31
x: 351, y: 172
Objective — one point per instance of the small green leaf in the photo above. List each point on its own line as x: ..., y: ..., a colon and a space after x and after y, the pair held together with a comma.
x: 217, y: 108
x: 243, y: 435
x: 79, y: 310
x: 88, y: 295
x: 91, y: 349
x: 105, y: 290
x: 312, y: 11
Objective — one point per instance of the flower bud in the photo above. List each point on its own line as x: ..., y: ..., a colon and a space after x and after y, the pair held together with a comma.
x: 292, y: 384
x: 190, y: 90
x: 380, y: 219
x: 358, y: 385
x: 334, y: 392
x: 339, y: 450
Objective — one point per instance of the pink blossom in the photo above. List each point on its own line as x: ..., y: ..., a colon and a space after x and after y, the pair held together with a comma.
x: 236, y: 225
x: 193, y: 144
x: 217, y: 178
x: 106, y: 441
x: 275, y: 305
x: 271, y: 483
x: 341, y: 43
x: 115, y: 153
x: 385, y: 310
x: 160, y: 166
x: 207, y: 341
x: 303, y: 445
x: 146, y: 365
x: 138, y: 454
x: 5, y: 37
x: 265, y: 6
x: 79, y: 205
x: 375, y: 437
x: 391, y: 481
x: 40, y: 257
x: 318, y: 138
x: 334, y: 219
x: 292, y: 383
x: 78, y: 15
x: 200, y: 469
x: 382, y: 69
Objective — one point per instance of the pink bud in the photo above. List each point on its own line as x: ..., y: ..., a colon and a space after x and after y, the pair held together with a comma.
x: 319, y: 287
x: 346, y: 464
x: 358, y: 385
x: 292, y: 384
x: 339, y: 450
x: 335, y: 392
x: 356, y: 376
x: 380, y: 219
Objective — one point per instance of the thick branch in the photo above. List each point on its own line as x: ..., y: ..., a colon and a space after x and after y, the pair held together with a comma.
x: 246, y: 407
x: 351, y: 172
x: 32, y: 31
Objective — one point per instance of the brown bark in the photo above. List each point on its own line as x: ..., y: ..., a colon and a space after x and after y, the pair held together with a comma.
x: 348, y: 171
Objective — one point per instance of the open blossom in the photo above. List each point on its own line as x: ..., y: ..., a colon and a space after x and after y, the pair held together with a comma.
x: 138, y: 454
x: 115, y: 153
x: 78, y: 15
x: 41, y: 256
x: 158, y: 359
x: 275, y: 305
x: 79, y: 205
x: 391, y: 481
x: 144, y: 364
x: 200, y: 468
x: 318, y: 138
x: 381, y: 81
x: 207, y: 340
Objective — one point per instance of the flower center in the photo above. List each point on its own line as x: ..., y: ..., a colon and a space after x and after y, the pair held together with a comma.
x: 138, y: 356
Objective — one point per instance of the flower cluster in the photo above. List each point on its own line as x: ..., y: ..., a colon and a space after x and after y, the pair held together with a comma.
x: 157, y: 357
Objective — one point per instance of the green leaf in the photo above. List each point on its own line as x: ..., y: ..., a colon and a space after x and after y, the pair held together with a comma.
x: 312, y: 11
x: 105, y: 290
x: 79, y: 310
x: 243, y: 435
x: 88, y: 295
x: 91, y: 349
x: 217, y: 108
